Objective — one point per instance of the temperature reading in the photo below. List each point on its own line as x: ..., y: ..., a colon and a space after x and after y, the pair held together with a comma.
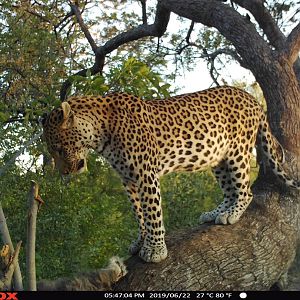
x: 213, y: 295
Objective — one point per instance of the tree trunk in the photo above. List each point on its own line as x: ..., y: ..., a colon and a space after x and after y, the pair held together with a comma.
x: 252, y: 254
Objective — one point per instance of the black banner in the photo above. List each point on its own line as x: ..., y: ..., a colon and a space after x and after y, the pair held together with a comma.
x: 147, y: 295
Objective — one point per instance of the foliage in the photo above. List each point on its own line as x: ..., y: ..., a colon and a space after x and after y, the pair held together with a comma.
x: 131, y: 76
x: 84, y: 223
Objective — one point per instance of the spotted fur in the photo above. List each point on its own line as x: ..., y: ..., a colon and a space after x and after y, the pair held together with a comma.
x: 144, y: 140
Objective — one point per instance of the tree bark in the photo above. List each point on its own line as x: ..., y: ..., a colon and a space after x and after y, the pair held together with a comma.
x: 252, y: 254
x: 31, y: 236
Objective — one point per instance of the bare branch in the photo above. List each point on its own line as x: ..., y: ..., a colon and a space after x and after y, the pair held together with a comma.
x: 63, y: 20
x: 144, y: 11
x: 188, y: 36
x: 31, y: 235
x: 292, y: 46
x: 225, y: 51
x: 211, y: 57
x: 83, y: 26
x: 156, y: 29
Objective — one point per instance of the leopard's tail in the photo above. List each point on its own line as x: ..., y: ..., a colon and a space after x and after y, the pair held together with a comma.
x: 274, y: 153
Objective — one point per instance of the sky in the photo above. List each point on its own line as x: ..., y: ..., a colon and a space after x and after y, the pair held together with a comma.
x: 199, y: 78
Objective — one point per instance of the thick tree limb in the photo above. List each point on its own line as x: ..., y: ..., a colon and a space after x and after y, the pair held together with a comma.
x: 275, y: 36
x: 252, y: 254
x: 18, y: 284
x: 264, y: 20
x: 292, y: 46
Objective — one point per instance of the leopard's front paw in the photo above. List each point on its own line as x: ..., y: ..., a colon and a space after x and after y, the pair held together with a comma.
x: 207, y: 217
x: 227, y: 217
x: 136, y: 246
x: 153, y: 254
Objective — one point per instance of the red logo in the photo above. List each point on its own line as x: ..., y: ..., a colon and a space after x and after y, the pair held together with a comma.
x: 8, y: 296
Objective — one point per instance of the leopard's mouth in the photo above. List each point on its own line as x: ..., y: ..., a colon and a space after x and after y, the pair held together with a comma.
x: 80, y: 165
x: 75, y: 168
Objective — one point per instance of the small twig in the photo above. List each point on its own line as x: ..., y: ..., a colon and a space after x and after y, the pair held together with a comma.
x: 144, y: 11
x: 188, y: 36
x: 83, y: 26
x: 158, y: 45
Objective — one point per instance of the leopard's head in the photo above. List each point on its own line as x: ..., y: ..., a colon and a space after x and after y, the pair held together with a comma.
x: 69, y: 138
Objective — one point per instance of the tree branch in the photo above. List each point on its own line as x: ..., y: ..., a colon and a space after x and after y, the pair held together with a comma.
x: 188, y: 36
x: 264, y: 20
x: 83, y: 26
x: 211, y: 57
x: 249, y: 255
x: 292, y: 46
x: 31, y: 235
x: 144, y: 12
x: 156, y: 29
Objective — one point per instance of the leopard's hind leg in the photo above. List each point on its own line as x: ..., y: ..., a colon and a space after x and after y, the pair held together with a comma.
x: 223, y: 177
x: 239, y: 170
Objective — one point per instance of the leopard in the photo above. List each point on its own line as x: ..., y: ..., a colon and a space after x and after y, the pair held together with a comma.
x: 143, y: 140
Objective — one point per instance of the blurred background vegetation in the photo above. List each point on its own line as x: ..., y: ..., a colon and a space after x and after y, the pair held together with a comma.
x: 87, y: 220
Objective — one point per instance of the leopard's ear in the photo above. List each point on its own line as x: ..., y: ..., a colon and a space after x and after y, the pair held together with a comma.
x: 68, y: 116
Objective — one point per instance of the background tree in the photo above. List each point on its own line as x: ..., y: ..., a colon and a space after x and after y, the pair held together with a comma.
x: 31, y: 76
